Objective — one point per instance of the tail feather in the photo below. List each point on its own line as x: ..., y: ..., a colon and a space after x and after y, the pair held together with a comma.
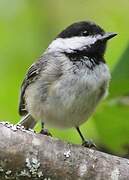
x: 28, y: 122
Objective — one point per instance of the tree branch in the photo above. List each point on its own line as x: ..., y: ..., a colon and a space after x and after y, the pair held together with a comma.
x: 26, y: 155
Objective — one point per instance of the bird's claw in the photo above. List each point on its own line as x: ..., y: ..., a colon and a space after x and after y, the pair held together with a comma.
x: 89, y: 144
x: 45, y: 132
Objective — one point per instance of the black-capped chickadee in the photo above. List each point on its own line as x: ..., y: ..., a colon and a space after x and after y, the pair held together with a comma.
x: 68, y: 81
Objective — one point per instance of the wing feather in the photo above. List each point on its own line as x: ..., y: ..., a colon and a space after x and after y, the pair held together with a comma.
x: 49, y: 64
x: 31, y: 76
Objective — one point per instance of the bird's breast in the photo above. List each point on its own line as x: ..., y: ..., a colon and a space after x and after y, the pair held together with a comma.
x: 73, y: 98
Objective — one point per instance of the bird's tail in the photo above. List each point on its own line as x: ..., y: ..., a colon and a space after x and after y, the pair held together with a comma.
x: 28, y: 122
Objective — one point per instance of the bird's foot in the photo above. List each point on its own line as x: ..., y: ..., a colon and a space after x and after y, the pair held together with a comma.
x: 45, y: 132
x: 89, y: 144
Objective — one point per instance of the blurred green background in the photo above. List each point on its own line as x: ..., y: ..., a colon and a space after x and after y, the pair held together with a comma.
x: 26, y: 29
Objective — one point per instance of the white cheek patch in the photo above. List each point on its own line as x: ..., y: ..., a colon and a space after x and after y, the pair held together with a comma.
x: 70, y: 44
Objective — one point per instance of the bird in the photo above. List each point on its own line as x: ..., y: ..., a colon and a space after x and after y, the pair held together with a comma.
x: 64, y: 86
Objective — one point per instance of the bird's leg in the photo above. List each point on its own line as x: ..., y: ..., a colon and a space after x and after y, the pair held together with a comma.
x: 44, y: 131
x: 28, y: 122
x: 85, y: 143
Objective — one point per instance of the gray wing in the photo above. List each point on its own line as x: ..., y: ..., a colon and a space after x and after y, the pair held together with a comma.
x: 31, y: 76
x: 50, y: 65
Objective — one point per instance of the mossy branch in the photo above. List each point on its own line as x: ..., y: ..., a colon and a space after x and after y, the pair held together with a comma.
x: 26, y: 155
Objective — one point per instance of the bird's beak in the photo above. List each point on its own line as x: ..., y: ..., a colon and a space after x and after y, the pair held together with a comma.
x: 107, y: 36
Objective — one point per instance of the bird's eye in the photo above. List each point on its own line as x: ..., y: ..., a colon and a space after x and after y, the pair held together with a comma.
x: 85, y: 33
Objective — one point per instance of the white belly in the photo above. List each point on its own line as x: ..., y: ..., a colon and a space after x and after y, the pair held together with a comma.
x: 73, y: 99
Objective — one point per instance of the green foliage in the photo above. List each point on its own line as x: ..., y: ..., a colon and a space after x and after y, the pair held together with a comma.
x: 27, y: 27
x: 120, y: 76
x: 112, y: 123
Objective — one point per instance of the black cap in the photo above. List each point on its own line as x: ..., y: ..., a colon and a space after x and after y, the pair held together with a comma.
x: 83, y: 28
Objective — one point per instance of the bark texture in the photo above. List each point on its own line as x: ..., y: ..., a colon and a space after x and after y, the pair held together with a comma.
x: 26, y: 155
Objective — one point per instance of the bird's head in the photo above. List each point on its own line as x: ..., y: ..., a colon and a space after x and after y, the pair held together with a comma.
x: 82, y: 37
